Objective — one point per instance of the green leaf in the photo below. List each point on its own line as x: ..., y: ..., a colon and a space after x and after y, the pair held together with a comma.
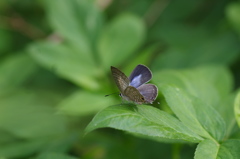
x: 16, y: 69
x: 120, y: 39
x: 77, y: 20
x: 5, y: 41
x: 143, y: 120
x: 142, y: 57
x: 23, y: 115
x: 22, y: 149
x: 213, y: 50
x: 207, y: 149
x: 67, y: 62
x: 194, y: 113
x: 233, y: 12
x: 229, y: 149
x: 84, y: 103
x: 209, y: 83
x: 237, y: 108
x: 53, y: 155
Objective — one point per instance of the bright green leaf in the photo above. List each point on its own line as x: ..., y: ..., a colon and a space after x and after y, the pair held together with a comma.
x: 120, y: 39
x: 197, y: 115
x: 237, y: 108
x: 207, y: 149
x: 229, y: 150
x: 209, y: 83
x: 143, y: 120
x: 84, y: 103
x: 233, y: 12
x: 226, y: 110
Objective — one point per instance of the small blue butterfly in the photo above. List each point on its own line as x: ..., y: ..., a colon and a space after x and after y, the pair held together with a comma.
x: 134, y: 88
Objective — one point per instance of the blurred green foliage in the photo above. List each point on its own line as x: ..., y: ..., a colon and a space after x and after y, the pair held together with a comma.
x: 55, y: 70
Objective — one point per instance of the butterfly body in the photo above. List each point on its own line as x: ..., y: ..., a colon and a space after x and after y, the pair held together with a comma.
x: 134, y: 88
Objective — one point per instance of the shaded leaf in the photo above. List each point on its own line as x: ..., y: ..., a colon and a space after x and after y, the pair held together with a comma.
x: 233, y: 12
x: 16, y: 69
x: 213, y: 50
x: 23, y: 115
x: 54, y: 155
x: 21, y: 148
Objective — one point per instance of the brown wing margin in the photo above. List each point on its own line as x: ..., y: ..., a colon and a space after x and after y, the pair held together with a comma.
x: 120, y: 79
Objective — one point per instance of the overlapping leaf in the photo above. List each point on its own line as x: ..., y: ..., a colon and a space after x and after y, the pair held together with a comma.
x: 212, y: 150
x: 143, y: 120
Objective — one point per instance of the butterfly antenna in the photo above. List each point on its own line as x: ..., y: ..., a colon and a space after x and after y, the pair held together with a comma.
x: 111, y: 94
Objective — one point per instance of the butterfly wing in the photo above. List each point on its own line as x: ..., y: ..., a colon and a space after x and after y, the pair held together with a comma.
x: 140, y: 75
x: 149, y: 92
x: 132, y: 94
x: 120, y: 79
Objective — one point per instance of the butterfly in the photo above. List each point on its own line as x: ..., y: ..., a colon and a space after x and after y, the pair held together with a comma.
x: 134, y: 88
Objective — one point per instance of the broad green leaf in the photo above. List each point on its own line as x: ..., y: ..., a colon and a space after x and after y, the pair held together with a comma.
x: 233, y: 12
x: 194, y: 113
x: 237, y: 108
x: 23, y: 115
x: 209, y: 83
x: 84, y: 103
x: 77, y: 20
x: 67, y: 62
x: 120, y: 39
x: 54, y: 155
x: 207, y: 149
x: 15, y: 69
x: 226, y: 110
x: 143, y: 120
x: 229, y: 150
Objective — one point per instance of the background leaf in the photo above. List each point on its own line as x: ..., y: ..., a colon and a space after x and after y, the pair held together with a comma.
x: 120, y: 39
x: 232, y: 12
x: 77, y: 103
x: 67, y: 62
x: 78, y: 21
x: 10, y: 68
x: 237, y: 108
